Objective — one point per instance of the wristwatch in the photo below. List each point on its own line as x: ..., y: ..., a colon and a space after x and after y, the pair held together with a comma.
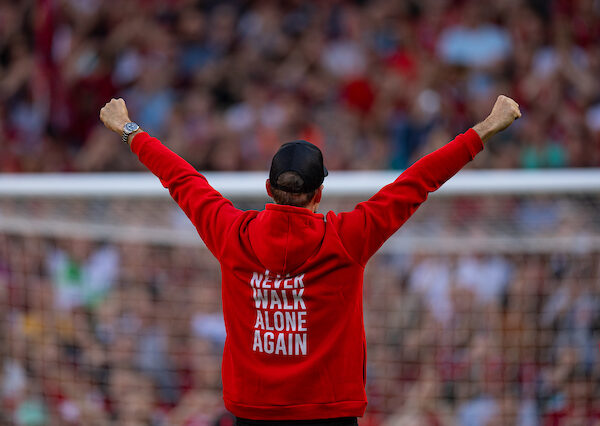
x: 128, y: 129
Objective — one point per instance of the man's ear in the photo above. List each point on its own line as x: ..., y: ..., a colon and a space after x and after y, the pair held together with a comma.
x: 318, y: 194
x: 268, y: 186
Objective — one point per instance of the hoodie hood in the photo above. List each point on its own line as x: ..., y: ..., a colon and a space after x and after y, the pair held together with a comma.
x: 284, y: 237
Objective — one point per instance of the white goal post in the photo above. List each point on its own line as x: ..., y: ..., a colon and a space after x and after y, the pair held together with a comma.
x: 244, y: 185
x: 42, y: 204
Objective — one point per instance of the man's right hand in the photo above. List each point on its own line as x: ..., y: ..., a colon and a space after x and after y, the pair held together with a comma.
x: 504, y: 112
x: 114, y: 115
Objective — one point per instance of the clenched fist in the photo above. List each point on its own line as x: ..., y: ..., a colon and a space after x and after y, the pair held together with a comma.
x: 504, y: 112
x: 114, y: 115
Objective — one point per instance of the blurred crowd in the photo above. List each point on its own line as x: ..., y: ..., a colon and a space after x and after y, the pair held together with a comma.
x: 98, y: 334
x: 131, y: 334
x: 97, y: 331
x: 375, y: 83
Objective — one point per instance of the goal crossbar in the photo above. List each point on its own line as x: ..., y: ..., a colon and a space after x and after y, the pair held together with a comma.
x: 245, y: 185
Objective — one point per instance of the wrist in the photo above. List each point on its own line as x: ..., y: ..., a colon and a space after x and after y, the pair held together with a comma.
x: 132, y: 135
x: 119, y: 125
x: 129, y: 128
x: 485, y: 129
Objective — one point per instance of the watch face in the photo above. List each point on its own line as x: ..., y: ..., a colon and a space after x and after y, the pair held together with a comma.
x: 131, y: 127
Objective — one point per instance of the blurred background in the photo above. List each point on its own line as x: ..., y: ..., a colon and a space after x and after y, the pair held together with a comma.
x: 484, y: 310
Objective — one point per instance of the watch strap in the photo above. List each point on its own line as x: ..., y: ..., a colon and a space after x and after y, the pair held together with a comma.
x: 128, y: 129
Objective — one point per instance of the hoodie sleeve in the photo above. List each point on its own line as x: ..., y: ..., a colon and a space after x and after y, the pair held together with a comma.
x: 209, y: 211
x: 364, y: 229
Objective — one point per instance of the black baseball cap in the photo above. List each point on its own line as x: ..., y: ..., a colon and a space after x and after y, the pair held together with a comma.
x: 303, y: 158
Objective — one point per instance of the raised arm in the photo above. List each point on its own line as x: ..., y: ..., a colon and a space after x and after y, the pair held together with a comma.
x: 364, y: 229
x: 209, y: 211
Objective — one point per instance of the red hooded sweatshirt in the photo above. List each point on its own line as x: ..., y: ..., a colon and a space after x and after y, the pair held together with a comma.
x: 292, y: 283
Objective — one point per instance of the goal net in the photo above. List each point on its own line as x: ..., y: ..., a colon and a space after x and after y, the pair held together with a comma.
x: 484, y: 309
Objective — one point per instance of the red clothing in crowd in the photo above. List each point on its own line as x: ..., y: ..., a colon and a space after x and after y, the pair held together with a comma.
x: 292, y: 283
